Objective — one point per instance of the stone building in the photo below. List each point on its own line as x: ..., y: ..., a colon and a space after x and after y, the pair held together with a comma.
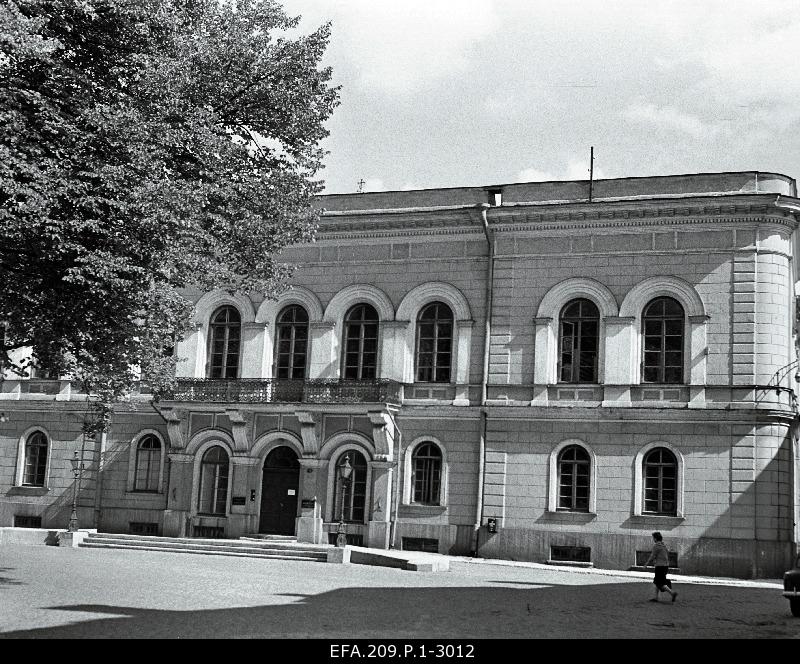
x: 526, y: 371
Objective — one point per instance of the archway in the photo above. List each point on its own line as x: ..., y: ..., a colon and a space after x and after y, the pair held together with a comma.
x: 279, y: 492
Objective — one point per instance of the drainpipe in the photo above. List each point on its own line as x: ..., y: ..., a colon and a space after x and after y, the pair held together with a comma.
x: 483, y: 207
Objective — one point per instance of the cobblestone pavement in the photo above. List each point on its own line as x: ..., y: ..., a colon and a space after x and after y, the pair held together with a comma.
x: 50, y: 592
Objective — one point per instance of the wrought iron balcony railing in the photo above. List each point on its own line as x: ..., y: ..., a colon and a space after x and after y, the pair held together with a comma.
x: 273, y: 390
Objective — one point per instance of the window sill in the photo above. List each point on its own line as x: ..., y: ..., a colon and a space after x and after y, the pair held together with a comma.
x: 573, y: 517
x: 422, y: 510
x: 28, y: 491
x: 144, y: 494
x: 659, y: 518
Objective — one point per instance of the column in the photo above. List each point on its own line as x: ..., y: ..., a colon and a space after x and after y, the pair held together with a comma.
x: 396, y: 351
x: 256, y: 351
x: 543, y: 373
x: 324, y: 348
x: 698, y: 355
x: 309, y: 523
x: 620, y: 357
x: 378, y: 525
x: 463, y: 332
x: 243, y: 514
x: 179, y: 496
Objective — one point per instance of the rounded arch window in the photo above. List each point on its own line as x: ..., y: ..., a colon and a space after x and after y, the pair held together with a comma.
x: 282, y: 458
x: 360, y: 343
x: 660, y: 474
x: 434, y: 343
x: 291, y: 351
x: 426, y: 474
x: 573, y: 479
x: 214, y: 473
x: 35, y: 459
x: 225, y: 343
x: 148, y: 464
x: 663, y: 323
x: 579, y: 332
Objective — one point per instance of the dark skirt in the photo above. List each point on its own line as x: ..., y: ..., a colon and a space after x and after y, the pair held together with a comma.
x: 660, y: 579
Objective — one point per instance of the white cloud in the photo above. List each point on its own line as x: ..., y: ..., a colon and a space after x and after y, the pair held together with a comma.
x: 574, y: 170
x: 666, y: 118
x: 397, y: 46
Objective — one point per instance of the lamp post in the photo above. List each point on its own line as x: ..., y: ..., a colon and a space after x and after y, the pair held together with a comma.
x: 345, y: 471
x: 77, y: 467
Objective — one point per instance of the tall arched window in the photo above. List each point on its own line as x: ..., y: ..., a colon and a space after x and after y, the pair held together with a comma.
x: 662, y: 341
x: 35, y: 459
x: 225, y: 341
x: 573, y: 479
x: 434, y: 343
x: 292, y: 343
x: 213, y: 490
x: 660, y: 473
x: 148, y: 464
x: 426, y: 473
x: 351, y: 494
x: 579, y: 325
x: 361, y: 343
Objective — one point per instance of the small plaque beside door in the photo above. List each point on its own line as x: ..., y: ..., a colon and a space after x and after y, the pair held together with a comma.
x: 291, y: 492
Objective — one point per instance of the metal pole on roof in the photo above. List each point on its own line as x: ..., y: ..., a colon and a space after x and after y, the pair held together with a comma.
x: 591, y: 171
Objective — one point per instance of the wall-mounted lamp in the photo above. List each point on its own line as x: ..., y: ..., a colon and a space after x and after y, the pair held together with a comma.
x: 3, y: 418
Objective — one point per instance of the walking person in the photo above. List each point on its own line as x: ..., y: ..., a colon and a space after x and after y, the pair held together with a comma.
x: 660, y: 559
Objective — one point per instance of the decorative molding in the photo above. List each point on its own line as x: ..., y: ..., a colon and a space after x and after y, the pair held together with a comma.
x: 308, y: 432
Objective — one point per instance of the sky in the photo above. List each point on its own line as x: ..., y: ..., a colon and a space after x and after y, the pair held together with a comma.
x: 446, y: 93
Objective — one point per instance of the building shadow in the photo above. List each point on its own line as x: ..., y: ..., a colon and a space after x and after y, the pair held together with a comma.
x: 590, y: 610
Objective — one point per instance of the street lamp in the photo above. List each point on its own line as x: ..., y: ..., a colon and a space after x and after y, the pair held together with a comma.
x: 345, y: 471
x: 77, y: 467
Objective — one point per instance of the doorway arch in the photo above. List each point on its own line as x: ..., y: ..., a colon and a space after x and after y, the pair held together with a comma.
x: 279, y: 488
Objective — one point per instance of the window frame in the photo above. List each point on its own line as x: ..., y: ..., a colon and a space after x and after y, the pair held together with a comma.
x: 350, y: 494
x: 432, y: 475
x: 361, y: 323
x: 435, y: 352
x: 292, y: 326
x: 662, y: 336
x: 639, y: 484
x: 577, y: 348
x: 158, y: 467
x: 216, y: 478
x: 36, y: 440
x: 213, y: 328
x: 660, y: 466
x: 554, y: 479
x: 21, y: 461
x: 575, y: 465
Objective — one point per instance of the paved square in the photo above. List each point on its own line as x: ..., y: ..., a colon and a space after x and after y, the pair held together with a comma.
x: 50, y: 592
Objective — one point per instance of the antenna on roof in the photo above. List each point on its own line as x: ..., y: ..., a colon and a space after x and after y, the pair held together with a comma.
x: 361, y: 184
x: 591, y: 171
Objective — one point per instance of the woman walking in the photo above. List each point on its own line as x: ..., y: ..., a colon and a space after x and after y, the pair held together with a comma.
x: 660, y: 559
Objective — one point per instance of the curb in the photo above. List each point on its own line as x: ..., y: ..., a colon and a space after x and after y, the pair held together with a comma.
x: 700, y: 580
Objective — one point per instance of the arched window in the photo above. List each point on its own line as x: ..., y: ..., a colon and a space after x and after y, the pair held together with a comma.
x: 434, y: 343
x: 662, y: 341
x: 148, y: 464
x: 213, y: 491
x: 579, y: 325
x: 351, y: 494
x: 292, y: 343
x: 573, y: 479
x: 35, y: 459
x: 426, y: 473
x: 226, y: 334
x: 660, y: 473
x: 361, y: 343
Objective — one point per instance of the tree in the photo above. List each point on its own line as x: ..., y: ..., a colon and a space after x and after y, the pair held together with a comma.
x: 147, y: 147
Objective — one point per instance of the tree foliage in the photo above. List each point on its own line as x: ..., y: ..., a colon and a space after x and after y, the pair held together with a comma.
x: 146, y: 147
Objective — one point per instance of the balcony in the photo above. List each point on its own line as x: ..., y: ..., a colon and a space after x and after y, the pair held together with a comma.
x: 255, y: 390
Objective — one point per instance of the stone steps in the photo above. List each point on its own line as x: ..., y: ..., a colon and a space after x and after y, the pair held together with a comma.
x: 256, y: 548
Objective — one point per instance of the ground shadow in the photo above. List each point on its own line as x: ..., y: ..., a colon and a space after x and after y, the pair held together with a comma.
x: 6, y: 580
x: 593, y: 610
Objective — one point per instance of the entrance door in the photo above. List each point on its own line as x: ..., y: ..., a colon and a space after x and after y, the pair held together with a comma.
x: 279, y: 492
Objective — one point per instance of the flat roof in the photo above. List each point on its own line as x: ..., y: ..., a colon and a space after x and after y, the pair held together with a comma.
x: 696, y: 184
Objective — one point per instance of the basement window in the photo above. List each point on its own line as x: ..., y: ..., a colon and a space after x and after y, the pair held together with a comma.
x: 571, y: 554
x: 23, y: 521
x: 425, y: 544
x: 142, y: 528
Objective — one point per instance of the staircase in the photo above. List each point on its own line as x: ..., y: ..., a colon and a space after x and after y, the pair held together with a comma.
x: 277, y: 547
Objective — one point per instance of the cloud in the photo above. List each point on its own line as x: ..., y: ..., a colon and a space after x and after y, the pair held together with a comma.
x: 666, y: 118
x: 574, y: 170
x: 398, y: 46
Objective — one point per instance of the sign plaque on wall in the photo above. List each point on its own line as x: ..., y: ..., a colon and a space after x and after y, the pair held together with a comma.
x: 238, y: 500
x: 307, y: 503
